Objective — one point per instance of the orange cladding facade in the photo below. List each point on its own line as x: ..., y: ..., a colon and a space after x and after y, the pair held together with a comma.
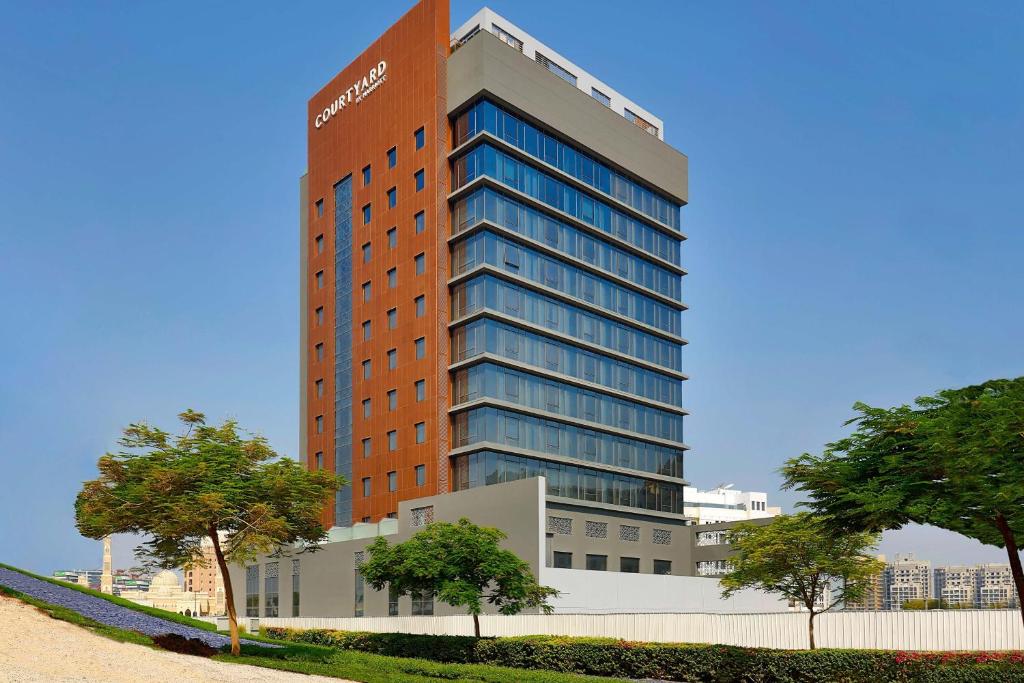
x: 381, y: 113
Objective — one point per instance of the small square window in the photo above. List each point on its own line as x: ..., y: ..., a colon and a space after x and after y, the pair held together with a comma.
x: 392, y: 399
x: 392, y: 278
x: 319, y: 315
x: 367, y: 408
x: 367, y: 330
x: 319, y: 424
x: 319, y: 244
x: 421, y: 348
x: 663, y: 567
x: 320, y: 279
x: 392, y: 318
x: 366, y: 487
x: 421, y: 389
x: 421, y: 263
x: 630, y: 565
x: 367, y: 291
x: 367, y: 447
x: 319, y: 458
x: 421, y: 306
x: 421, y: 475
x: 421, y: 432
x: 562, y: 560
x: 367, y: 368
x: 318, y: 351
x: 419, y: 222
x: 393, y: 440
x: 392, y: 157
x: 392, y: 359
x: 319, y: 388
x: 367, y: 214
x: 367, y: 175
x: 367, y: 252
x: 419, y: 179
x: 419, y: 137
x: 597, y: 563
x: 392, y: 238
x: 392, y: 197
x: 392, y: 481
x: 319, y: 208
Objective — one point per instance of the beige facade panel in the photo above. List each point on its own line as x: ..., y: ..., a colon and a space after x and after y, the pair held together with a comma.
x: 485, y: 64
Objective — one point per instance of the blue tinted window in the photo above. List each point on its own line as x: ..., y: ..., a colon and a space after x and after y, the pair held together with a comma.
x: 419, y: 137
x: 485, y: 116
x: 488, y: 248
x: 392, y: 157
x: 343, y: 215
x: 392, y: 197
x: 567, y: 481
x: 366, y: 176
x: 419, y: 222
x: 486, y: 204
x: 488, y: 292
x: 419, y: 180
x: 367, y: 213
x: 496, y: 425
x: 538, y: 393
x: 531, y: 349
x: 486, y: 160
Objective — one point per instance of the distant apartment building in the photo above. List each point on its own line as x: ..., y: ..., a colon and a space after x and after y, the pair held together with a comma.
x: 206, y: 578
x: 956, y: 585
x: 89, y: 578
x: 907, y: 578
x: 979, y: 586
x: 874, y: 596
x: 725, y: 504
x: 92, y: 578
x: 994, y: 586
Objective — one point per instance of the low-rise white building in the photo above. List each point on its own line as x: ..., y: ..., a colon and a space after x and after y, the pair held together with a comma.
x: 726, y: 504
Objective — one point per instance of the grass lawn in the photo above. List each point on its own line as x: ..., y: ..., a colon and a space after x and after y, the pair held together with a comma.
x: 301, y: 658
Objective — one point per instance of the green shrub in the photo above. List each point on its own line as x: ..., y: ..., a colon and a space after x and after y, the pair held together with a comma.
x: 676, y: 662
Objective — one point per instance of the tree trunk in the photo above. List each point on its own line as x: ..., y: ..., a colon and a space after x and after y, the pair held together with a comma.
x: 229, y: 596
x: 476, y: 625
x: 1011, y: 550
x: 810, y: 629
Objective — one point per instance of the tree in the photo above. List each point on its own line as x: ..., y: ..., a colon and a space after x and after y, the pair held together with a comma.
x: 180, y: 490
x: 462, y: 564
x: 954, y: 460
x: 794, y: 556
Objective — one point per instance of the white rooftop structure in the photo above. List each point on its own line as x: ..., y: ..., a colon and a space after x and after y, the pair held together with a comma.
x: 725, y: 504
x: 488, y: 20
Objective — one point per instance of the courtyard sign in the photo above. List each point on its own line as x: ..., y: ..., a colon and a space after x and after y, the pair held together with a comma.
x: 359, y: 91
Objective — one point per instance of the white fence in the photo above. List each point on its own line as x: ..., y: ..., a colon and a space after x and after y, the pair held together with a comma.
x: 909, y: 630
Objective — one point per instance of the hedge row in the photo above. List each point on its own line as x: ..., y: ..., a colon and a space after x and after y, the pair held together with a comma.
x: 675, y: 662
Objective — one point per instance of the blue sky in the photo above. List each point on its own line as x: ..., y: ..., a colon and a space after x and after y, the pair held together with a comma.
x: 855, y: 222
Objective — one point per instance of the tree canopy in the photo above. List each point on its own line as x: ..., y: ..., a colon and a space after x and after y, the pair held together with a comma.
x: 178, y: 490
x: 462, y: 564
x: 795, y: 556
x: 953, y: 460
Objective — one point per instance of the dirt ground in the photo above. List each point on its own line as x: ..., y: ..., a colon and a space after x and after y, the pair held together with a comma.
x: 35, y: 648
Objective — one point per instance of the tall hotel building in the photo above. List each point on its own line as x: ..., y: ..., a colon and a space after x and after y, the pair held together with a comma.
x: 491, y: 278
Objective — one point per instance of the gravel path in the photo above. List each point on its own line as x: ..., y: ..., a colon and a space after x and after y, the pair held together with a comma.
x: 107, y: 612
x: 37, y: 649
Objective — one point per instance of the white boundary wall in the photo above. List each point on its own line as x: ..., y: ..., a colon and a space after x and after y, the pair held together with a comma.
x: 907, y: 630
